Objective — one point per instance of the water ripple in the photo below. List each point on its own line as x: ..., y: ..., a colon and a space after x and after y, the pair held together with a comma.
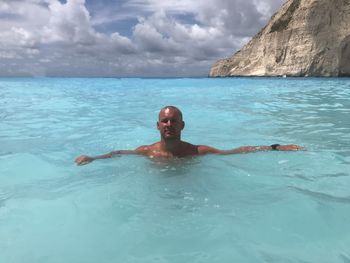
x: 322, y: 196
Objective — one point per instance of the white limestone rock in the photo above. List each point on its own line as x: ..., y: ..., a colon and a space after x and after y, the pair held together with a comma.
x: 304, y: 38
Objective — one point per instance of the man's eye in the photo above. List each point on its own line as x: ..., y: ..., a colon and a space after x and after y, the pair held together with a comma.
x: 167, y: 120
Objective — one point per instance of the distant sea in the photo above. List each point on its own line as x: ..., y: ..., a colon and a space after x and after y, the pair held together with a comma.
x: 259, y: 207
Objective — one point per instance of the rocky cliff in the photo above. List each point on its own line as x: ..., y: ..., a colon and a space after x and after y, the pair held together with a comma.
x: 304, y: 38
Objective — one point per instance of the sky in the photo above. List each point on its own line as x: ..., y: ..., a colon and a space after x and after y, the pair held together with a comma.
x: 125, y: 38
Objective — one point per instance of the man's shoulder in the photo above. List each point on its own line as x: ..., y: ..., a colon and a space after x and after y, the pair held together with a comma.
x: 199, y: 149
x: 188, y: 146
x: 145, y: 149
x: 205, y: 149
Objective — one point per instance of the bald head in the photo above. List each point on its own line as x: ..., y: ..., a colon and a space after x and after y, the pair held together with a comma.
x: 168, y: 108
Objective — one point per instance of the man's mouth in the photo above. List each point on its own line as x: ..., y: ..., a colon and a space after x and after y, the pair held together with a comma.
x: 169, y: 131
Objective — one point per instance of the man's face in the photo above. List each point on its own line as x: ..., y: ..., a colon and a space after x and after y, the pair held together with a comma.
x: 170, y: 124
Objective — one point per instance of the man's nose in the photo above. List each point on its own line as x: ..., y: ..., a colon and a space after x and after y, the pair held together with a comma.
x: 168, y: 123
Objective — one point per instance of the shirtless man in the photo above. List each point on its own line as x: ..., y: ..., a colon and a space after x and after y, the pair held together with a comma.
x: 170, y: 125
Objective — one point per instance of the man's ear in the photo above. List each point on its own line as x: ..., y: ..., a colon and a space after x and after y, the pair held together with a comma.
x: 158, y: 125
x: 183, y: 125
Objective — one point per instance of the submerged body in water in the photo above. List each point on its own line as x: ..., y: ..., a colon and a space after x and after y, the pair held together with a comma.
x: 170, y: 124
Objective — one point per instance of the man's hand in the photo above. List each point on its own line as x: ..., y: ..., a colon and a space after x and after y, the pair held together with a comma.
x: 83, y: 159
x: 289, y: 147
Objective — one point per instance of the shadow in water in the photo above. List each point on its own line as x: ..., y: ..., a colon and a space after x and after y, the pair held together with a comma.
x: 321, y: 196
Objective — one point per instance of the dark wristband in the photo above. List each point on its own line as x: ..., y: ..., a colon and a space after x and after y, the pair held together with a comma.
x: 274, y: 146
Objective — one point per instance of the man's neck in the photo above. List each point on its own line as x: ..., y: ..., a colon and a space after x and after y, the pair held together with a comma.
x: 171, y: 146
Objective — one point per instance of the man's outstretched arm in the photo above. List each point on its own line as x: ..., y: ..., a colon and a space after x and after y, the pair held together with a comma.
x: 203, y: 149
x: 84, y: 159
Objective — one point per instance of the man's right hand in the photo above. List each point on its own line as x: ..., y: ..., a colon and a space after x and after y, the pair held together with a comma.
x: 83, y: 159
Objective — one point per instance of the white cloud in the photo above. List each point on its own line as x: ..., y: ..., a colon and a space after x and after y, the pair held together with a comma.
x: 122, y: 44
x: 69, y: 23
x: 23, y: 37
x: 8, y: 54
x: 173, y: 37
x: 151, y: 34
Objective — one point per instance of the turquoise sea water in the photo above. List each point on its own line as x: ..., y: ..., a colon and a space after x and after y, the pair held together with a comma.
x: 260, y: 207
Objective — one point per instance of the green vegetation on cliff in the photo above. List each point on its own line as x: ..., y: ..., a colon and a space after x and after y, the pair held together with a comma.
x: 282, y: 23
